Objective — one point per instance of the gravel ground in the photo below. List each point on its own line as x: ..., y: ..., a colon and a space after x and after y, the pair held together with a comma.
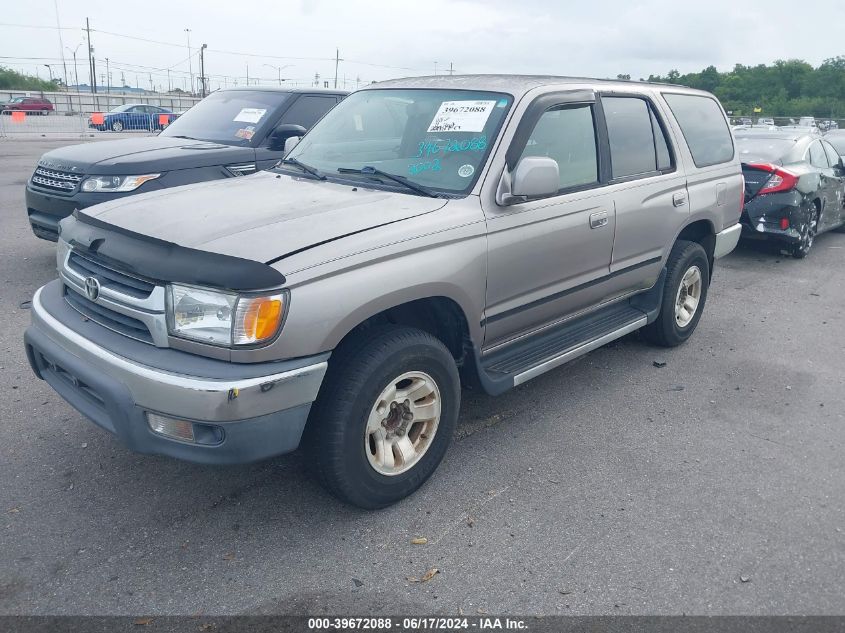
x: 713, y: 485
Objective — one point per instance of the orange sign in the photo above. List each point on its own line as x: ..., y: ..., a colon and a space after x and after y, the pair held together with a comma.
x: 163, y: 119
x: 18, y: 116
x: 97, y: 118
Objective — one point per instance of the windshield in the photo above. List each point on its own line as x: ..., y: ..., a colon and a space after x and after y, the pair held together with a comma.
x: 438, y: 139
x: 763, y: 149
x: 232, y: 117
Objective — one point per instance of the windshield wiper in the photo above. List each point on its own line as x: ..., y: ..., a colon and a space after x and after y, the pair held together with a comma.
x: 369, y: 170
x: 303, y: 167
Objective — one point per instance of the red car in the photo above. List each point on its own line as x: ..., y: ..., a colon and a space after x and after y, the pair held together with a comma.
x: 30, y: 105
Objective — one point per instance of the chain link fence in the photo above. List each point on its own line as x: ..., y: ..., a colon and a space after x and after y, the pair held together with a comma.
x: 86, y: 113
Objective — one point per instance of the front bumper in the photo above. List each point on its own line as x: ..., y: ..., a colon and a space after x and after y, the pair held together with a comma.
x: 726, y: 240
x: 45, y: 209
x: 250, y: 418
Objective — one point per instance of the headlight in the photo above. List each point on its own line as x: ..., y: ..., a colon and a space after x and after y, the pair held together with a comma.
x: 222, y: 318
x: 116, y: 183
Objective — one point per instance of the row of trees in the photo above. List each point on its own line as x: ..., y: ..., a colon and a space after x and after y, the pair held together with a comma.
x: 13, y: 80
x: 786, y: 88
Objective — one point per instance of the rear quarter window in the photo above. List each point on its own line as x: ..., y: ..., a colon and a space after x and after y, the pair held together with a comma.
x: 704, y: 128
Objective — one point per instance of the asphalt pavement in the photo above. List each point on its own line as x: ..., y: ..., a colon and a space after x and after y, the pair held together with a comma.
x: 711, y: 485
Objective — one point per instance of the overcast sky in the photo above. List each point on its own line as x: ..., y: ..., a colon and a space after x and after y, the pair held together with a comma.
x: 382, y: 38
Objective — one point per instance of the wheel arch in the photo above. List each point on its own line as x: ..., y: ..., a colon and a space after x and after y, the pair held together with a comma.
x: 703, y: 232
x: 440, y: 314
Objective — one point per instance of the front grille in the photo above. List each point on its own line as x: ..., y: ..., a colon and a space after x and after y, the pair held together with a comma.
x: 109, y: 277
x: 59, y: 181
x: 120, y: 323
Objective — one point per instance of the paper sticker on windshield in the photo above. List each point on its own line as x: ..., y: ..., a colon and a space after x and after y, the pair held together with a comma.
x: 461, y: 116
x: 250, y: 115
x: 246, y: 132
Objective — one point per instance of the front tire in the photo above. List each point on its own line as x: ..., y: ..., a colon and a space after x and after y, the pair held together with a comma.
x: 684, y: 295
x: 384, y: 417
x: 117, y: 126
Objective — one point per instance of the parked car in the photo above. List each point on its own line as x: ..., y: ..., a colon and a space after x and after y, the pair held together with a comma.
x: 807, y: 121
x: 766, y: 121
x: 29, y: 105
x: 229, y: 133
x: 427, y: 231
x: 794, y: 188
x: 134, y: 116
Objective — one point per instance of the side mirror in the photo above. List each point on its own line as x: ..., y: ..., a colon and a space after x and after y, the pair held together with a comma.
x: 839, y: 168
x: 283, y: 132
x: 290, y: 143
x: 535, y: 177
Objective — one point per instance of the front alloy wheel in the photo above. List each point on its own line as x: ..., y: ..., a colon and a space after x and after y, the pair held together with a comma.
x: 117, y: 126
x: 402, y: 423
x: 384, y: 416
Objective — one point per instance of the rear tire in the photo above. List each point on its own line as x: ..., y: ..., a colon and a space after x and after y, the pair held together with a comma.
x: 684, y: 295
x: 808, y: 230
x: 384, y: 417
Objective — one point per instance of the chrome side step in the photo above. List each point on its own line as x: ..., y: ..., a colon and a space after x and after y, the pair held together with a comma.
x: 575, y: 352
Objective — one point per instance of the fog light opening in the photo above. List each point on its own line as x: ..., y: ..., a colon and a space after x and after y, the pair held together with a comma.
x: 784, y: 223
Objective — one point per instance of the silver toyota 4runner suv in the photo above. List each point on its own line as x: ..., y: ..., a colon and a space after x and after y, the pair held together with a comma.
x: 427, y: 233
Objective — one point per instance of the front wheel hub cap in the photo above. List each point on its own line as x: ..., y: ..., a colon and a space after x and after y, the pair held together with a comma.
x: 402, y: 423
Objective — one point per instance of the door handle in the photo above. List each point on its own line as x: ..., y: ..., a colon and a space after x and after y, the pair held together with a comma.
x: 679, y: 198
x: 598, y: 220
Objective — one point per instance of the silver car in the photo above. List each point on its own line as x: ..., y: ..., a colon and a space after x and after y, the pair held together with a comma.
x: 426, y: 233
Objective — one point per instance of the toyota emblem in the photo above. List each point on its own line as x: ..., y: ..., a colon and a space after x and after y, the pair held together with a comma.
x: 92, y: 288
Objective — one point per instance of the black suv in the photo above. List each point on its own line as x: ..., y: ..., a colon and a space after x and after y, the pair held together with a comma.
x: 232, y: 132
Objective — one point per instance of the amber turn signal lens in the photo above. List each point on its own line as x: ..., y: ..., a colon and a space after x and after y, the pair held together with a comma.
x: 258, y: 319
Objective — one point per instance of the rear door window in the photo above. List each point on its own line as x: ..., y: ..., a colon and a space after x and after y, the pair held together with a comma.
x: 638, y: 143
x: 704, y: 127
x: 567, y: 135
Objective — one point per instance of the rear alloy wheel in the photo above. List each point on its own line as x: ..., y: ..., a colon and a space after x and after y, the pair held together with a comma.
x: 807, y: 232
x: 384, y: 416
x: 684, y: 295
x: 117, y: 126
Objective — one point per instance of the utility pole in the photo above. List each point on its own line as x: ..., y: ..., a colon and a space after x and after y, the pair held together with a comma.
x: 202, y: 70
x: 337, y: 61
x: 91, y: 70
x: 190, y: 68
x: 168, y: 80
x: 247, y: 73
x: 451, y: 70
x: 152, y: 88
x: 316, y: 80
x: 108, y: 76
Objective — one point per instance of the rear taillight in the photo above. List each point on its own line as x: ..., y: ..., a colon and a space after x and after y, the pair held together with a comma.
x: 742, y: 195
x: 780, y: 180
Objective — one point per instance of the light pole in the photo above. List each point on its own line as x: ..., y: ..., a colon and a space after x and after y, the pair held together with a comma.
x: 108, y: 77
x: 50, y: 70
x: 279, y: 69
x: 190, y: 68
x: 75, y: 70
x: 202, y: 70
